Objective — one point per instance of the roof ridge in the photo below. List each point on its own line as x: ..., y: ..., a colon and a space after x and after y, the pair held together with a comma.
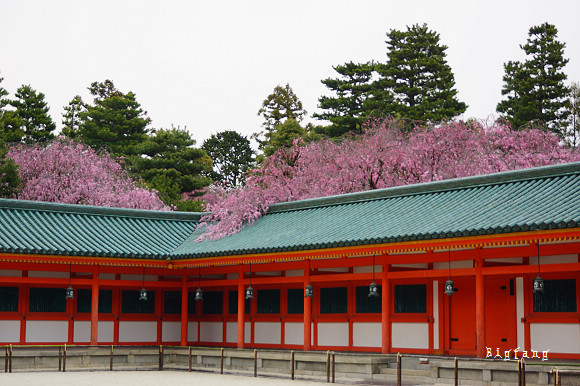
x: 430, y: 187
x: 43, y: 206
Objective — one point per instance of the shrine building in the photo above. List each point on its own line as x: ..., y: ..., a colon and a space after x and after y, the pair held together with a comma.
x: 450, y: 267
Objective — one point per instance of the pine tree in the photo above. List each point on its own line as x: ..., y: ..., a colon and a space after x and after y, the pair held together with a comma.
x: 347, y: 110
x: 281, y: 105
x: 116, y: 122
x: 418, y: 78
x: 172, y: 165
x: 29, y: 121
x: 232, y: 156
x: 71, y: 119
x: 535, y: 89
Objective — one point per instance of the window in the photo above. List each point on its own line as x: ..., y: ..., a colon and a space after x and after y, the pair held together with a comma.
x: 130, y: 303
x: 47, y: 300
x: 411, y: 298
x: 366, y: 304
x: 233, y: 306
x: 172, y: 302
x: 268, y: 301
x: 333, y: 300
x: 8, y: 299
x: 84, y: 301
x: 558, y: 296
x: 295, y: 301
x: 213, y: 302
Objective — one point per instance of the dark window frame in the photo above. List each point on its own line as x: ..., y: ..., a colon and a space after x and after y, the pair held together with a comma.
x: 102, y: 304
x: 326, y: 308
x: 544, y: 304
x: 5, y: 293
x: 268, y: 301
x: 143, y: 307
x: 58, y: 293
x: 402, y: 290
x: 365, y: 304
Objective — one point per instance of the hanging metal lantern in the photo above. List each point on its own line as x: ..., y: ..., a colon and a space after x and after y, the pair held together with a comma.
x: 373, y: 290
x: 538, y: 285
x: 538, y: 281
x: 249, y: 292
x: 198, y: 294
x: 308, y: 291
x: 70, y: 293
x: 449, y: 287
x: 143, y: 294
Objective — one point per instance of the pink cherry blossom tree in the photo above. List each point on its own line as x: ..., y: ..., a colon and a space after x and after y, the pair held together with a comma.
x: 69, y: 172
x: 383, y: 156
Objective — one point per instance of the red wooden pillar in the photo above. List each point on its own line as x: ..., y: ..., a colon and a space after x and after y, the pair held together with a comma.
x: 479, y: 309
x: 307, y: 310
x: 95, y: 310
x: 241, y: 309
x: 184, y: 311
x: 386, y: 310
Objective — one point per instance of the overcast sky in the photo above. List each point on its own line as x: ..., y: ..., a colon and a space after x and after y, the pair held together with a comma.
x: 208, y: 65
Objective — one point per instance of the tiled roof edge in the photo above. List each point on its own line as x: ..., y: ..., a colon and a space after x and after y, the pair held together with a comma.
x: 97, y: 210
x: 431, y: 187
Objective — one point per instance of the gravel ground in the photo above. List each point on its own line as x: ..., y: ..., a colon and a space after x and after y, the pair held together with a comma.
x: 140, y: 378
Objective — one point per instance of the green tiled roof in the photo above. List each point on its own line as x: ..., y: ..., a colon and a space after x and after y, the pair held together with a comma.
x: 75, y: 230
x: 539, y: 198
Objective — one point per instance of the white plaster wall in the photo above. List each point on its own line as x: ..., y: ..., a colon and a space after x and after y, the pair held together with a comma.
x: 367, y: 269
x: 367, y: 334
x: 294, y: 333
x: 410, y: 335
x: 268, y: 332
x: 417, y: 265
x: 10, y: 273
x: 137, y: 331
x: 106, y: 331
x: 106, y: 276
x: 338, y: 269
x: 511, y: 260
x: 48, y: 274
x: 557, y: 337
x: 231, y: 332
x: 82, y: 331
x: 211, y: 332
x: 332, y: 334
x: 192, y: 331
x: 9, y: 331
x: 126, y: 276
x: 435, y: 314
x: 556, y: 259
x: 454, y: 264
x: 520, y: 311
x: 269, y: 273
x: 171, y: 331
x: 42, y: 331
x: 294, y: 272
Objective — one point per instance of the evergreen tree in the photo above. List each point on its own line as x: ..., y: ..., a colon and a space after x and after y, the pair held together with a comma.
x: 71, y: 119
x: 9, y: 179
x: 115, y: 122
x: 232, y: 156
x: 535, y: 89
x: 347, y: 110
x: 279, y: 106
x: 171, y: 165
x: 418, y: 78
x: 29, y: 120
x: 573, y: 107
